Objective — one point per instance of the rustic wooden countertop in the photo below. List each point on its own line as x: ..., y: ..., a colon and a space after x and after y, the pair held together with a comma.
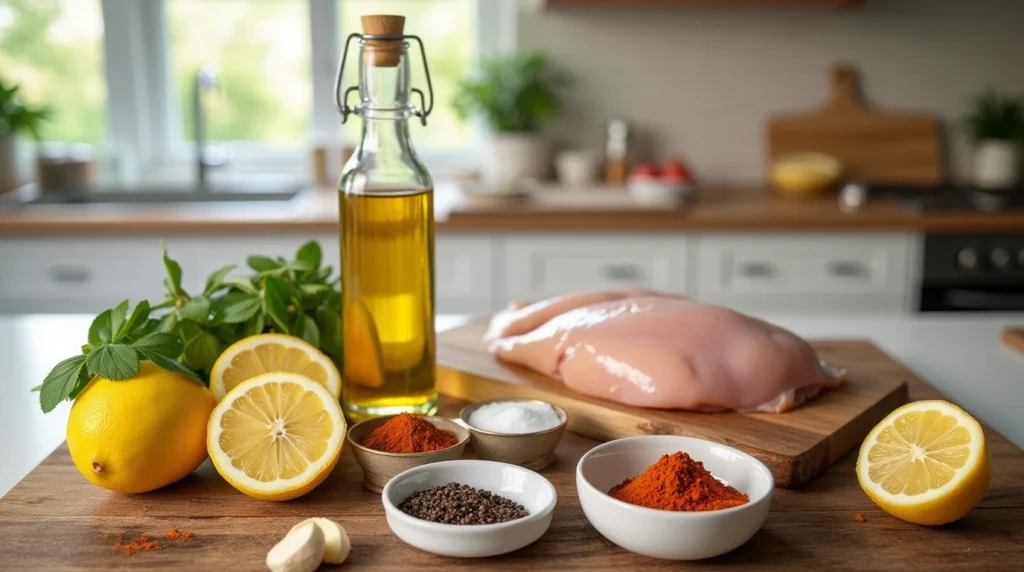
x: 56, y: 520
x: 315, y: 211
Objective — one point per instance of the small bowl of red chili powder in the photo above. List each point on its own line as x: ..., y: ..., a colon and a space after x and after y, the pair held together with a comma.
x: 676, y: 498
x: 386, y: 446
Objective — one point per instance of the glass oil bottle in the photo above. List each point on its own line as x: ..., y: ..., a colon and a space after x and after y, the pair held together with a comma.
x: 387, y: 234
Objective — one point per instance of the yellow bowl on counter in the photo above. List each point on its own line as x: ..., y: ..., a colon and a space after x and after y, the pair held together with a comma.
x: 805, y: 174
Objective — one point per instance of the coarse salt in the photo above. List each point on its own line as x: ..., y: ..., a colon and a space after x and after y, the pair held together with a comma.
x: 515, y: 417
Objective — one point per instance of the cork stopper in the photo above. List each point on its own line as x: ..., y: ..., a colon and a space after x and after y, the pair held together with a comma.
x: 383, y: 53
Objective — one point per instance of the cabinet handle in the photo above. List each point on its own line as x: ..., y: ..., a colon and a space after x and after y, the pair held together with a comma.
x: 757, y: 269
x: 847, y: 269
x: 622, y: 272
x: 69, y: 274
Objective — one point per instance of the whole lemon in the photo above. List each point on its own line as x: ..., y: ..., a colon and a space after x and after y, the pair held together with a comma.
x: 142, y: 433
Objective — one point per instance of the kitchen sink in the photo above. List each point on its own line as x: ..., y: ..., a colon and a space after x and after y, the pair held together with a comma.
x: 168, y: 194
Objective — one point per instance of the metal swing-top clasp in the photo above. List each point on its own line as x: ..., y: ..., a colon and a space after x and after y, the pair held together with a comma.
x: 341, y: 98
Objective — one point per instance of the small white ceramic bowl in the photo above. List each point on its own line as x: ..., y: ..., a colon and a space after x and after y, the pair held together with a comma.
x: 669, y: 534
x: 658, y: 193
x: 523, y: 486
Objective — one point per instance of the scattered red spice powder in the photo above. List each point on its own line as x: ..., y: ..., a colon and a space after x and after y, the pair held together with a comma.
x: 677, y: 482
x: 858, y: 517
x: 407, y: 433
x: 182, y: 536
x: 136, y: 545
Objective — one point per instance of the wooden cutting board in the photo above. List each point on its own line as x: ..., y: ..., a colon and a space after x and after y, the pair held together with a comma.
x: 1014, y: 337
x: 796, y: 445
x: 875, y: 146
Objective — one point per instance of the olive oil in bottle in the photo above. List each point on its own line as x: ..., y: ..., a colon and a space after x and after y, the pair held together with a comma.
x: 387, y: 237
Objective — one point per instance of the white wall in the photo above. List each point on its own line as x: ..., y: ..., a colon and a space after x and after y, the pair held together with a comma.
x: 702, y: 82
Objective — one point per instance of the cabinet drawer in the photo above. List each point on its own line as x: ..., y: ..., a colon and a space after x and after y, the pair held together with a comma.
x: 542, y: 266
x: 77, y: 275
x: 804, y: 270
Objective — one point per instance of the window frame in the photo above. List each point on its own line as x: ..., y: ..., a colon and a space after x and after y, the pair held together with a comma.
x: 143, y: 114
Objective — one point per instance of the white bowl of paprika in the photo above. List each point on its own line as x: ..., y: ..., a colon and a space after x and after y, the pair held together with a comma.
x: 676, y: 498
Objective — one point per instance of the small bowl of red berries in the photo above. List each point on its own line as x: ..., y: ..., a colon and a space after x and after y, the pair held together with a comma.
x: 670, y: 185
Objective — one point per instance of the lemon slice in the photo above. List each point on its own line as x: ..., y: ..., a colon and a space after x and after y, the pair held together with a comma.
x: 925, y: 463
x: 276, y: 436
x: 265, y: 353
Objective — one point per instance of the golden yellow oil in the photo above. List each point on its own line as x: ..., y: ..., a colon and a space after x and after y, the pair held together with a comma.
x: 387, y: 285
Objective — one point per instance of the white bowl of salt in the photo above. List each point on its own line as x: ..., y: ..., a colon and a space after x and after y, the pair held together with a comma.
x: 522, y: 432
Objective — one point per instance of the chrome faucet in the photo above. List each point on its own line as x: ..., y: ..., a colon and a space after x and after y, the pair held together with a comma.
x: 207, y: 156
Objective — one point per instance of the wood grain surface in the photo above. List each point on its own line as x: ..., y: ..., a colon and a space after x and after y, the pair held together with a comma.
x: 874, y: 146
x: 55, y: 520
x: 1014, y: 338
x: 796, y: 445
x: 714, y: 210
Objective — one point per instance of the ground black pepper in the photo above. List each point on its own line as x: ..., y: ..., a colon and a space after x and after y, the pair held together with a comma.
x: 456, y: 503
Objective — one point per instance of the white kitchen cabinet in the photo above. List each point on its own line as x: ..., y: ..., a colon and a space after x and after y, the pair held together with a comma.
x: 466, y: 274
x: 802, y: 272
x: 539, y: 266
x: 71, y: 275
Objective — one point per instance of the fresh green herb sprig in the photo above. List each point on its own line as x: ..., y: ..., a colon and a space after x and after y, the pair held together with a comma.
x: 299, y: 297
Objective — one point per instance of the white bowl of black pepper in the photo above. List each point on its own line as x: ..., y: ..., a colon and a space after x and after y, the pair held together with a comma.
x: 469, y: 508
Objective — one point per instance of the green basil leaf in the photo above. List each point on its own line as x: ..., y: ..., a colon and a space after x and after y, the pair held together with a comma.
x: 37, y: 388
x: 167, y: 323
x: 310, y: 253
x: 117, y: 317
x: 159, y: 342
x: 84, y: 377
x: 136, y: 322
x: 168, y: 364
x: 187, y: 329
x: 201, y: 351
x: 276, y: 298
x: 240, y: 283
x: 216, y: 280
x: 328, y: 321
x: 254, y: 326
x: 229, y: 333
x: 241, y: 310
x: 173, y: 280
x: 100, y: 331
x: 305, y: 327
x: 113, y: 361
x: 263, y: 263
x: 60, y: 382
x: 299, y: 265
x: 196, y: 309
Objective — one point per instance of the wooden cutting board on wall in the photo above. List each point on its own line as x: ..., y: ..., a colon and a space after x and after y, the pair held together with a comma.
x: 1014, y: 338
x: 796, y: 445
x: 875, y: 146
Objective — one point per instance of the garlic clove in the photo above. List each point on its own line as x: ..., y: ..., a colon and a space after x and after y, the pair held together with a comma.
x: 301, y: 550
x: 336, y: 542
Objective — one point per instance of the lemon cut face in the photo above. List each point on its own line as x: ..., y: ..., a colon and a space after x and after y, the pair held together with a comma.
x: 276, y: 436
x: 265, y: 353
x: 926, y: 462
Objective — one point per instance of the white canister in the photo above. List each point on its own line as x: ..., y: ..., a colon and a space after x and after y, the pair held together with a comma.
x: 577, y: 167
x: 996, y: 164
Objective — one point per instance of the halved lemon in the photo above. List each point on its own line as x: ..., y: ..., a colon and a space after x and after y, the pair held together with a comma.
x: 265, y: 353
x: 925, y: 463
x: 276, y: 436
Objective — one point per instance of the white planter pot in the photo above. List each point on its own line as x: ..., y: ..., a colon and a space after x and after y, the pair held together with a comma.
x: 996, y: 164
x: 515, y: 157
x: 9, y: 178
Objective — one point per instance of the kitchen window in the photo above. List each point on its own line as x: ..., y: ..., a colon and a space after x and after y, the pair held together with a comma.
x: 121, y: 74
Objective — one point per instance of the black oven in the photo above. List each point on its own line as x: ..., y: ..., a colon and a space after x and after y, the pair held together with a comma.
x: 973, y: 273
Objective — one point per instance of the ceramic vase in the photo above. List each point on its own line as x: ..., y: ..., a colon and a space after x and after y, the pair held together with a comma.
x: 517, y: 157
x: 996, y: 164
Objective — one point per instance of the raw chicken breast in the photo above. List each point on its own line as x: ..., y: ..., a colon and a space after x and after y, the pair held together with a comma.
x: 659, y: 350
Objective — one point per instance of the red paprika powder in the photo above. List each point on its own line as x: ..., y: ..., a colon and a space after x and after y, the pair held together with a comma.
x: 677, y: 482
x: 407, y: 433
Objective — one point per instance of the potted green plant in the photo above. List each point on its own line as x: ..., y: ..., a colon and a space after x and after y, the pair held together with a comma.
x: 516, y: 96
x: 997, y: 128
x: 15, y: 117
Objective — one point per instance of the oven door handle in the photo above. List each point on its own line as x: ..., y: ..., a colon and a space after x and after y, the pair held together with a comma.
x: 960, y: 299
